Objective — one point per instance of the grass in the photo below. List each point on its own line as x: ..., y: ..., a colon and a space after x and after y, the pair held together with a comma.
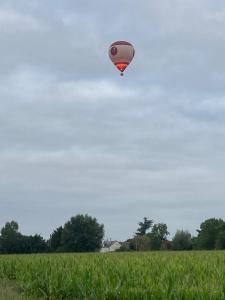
x: 147, y: 275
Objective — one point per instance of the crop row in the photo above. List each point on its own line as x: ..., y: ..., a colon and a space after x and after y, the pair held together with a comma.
x: 158, y: 276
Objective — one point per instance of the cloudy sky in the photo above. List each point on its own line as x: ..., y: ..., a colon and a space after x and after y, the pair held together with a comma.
x: 75, y: 137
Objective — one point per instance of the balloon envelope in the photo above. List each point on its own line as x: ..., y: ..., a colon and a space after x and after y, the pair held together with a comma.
x: 121, y: 54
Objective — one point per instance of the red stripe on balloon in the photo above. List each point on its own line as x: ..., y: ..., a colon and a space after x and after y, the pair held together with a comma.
x: 121, y: 43
x: 122, y: 62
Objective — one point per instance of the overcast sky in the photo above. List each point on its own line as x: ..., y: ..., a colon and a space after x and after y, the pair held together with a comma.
x: 75, y: 137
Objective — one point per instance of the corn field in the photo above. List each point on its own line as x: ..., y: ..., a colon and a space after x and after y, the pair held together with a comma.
x: 146, y: 275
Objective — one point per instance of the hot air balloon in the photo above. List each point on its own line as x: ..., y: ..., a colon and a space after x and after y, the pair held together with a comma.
x: 121, y: 54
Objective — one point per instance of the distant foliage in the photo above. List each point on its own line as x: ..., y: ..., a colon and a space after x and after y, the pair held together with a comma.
x: 157, y: 235
x: 211, y: 235
x: 12, y: 241
x: 55, y: 241
x: 182, y: 240
x: 149, y: 236
x: 141, y: 243
x: 144, y: 226
x: 82, y: 234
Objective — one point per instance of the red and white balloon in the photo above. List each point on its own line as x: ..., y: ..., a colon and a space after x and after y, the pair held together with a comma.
x: 121, y: 54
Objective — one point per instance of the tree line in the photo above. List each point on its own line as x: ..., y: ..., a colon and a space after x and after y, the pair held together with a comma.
x: 83, y: 233
x: 150, y: 236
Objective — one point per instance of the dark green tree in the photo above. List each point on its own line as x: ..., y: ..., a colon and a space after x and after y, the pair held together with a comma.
x: 82, y: 234
x: 157, y: 235
x: 182, y: 240
x: 12, y: 241
x: 220, y: 240
x: 55, y: 242
x: 32, y: 244
x: 10, y: 238
x: 210, y: 233
x: 37, y: 244
x: 194, y: 242
x: 144, y: 226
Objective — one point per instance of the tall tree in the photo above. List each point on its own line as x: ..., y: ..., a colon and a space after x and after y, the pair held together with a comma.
x: 220, y: 240
x: 37, y: 244
x: 182, y: 240
x: 55, y: 241
x: 144, y: 226
x: 82, y: 234
x: 157, y: 235
x: 211, y: 231
x: 12, y: 241
x: 10, y: 238
x: 32, y: 244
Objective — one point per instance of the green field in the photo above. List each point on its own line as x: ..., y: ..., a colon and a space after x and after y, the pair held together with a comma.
x: 146, y: 275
